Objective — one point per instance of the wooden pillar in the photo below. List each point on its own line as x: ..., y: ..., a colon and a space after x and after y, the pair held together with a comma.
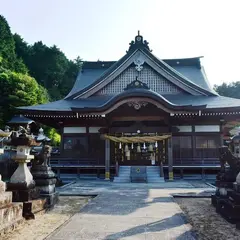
x: 193, y: 143
x: 221, y: 132
x: 170, y: 160
x: 107, y: 159
x: 62, y: 141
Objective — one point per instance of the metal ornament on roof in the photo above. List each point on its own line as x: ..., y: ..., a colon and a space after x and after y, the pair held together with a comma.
x: 139, y: 61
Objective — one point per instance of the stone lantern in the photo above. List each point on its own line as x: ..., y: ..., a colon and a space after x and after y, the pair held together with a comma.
x: 21, y: 183
x: 3, y: 135
x: 10, y: 213
x: 43, y: 175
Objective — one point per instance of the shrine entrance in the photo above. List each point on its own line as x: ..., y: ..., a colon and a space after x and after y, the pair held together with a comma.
x: 148, y: 149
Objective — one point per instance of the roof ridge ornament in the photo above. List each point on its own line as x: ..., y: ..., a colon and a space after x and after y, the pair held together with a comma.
x: 138, y: 43
x: 136, y: 84
x: 139, y: 61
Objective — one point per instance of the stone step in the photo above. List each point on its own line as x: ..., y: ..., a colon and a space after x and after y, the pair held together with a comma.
x: 5, y: 199
x: 153, y: 177
x: 123, y: 177
x: 156, y: 181
x: 124, y: 174
x: 121, y: 180
x: 11, y: 215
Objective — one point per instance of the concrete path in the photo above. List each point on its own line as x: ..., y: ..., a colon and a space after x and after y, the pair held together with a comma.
x: 127, y: 211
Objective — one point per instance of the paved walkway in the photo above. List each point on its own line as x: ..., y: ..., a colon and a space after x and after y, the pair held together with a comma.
x: 127, y: 211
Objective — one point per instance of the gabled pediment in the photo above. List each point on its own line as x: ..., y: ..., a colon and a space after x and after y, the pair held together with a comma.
x: 140, y: 62
x: 147, y: 76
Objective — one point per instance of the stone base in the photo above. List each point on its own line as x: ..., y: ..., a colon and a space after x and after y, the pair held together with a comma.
x: 20, y: 186
x: 10, y: 216
x: 48, y: 189
x: 10, y: 213
x: 238, y: 225
x: 221, y: 184
x: 236, y: 187
x: 52, y: 198
x: 24, y: 195
x: 33, y: 207
x: 216, y: 199
x: 42, y: 172
x: 5, y: 199
x: 45, y: 179
x: 23, y: 192
x: 229, y: 211
x: 2, y: 185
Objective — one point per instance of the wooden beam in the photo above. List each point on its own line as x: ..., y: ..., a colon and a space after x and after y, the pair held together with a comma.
x: 137, y: 118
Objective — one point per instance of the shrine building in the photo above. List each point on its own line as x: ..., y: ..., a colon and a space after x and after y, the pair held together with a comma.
x: 139, y: 111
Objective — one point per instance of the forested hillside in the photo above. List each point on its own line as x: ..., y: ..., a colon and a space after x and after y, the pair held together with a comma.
x: 31, y: 74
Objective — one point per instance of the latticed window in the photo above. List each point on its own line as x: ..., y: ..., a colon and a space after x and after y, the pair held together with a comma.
x: 207, y: 142
x: 207, y: 146
x: 149, y: 76
x: 182, y: 147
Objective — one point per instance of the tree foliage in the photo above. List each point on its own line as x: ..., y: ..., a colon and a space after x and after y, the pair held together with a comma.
x: 229, y: 90
x: 18, y: 89
x: 49, y: 66
x: 53, y: 135
x: 7, y: 49
x: 32, y: 74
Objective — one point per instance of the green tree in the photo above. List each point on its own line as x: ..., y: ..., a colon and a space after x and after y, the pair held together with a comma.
x: 17, y: 90
x: 22, y: 49
x: 7, y: 49
x: 229, y: 90
x: 49, y: 66
x: 7, y: 44
x: 53, y: 134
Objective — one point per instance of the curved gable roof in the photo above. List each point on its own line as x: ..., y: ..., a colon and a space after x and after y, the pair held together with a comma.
x: 187, y: 72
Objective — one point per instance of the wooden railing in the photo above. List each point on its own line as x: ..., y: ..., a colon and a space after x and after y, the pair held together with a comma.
x: 196, y: 161
x: 64, y: 162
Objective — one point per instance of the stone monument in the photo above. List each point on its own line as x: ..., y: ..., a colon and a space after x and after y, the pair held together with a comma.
x: 42, y: 173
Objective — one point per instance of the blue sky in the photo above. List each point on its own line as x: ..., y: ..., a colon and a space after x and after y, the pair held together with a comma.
x: 102, y: 29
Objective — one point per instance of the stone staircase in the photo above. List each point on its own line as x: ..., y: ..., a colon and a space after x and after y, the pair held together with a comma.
x: 123, y: 175
x: 153, y: 175
x: 10, y: 213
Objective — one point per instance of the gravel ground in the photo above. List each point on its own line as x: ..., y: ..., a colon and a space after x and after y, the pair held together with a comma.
x: 45, y: 224
x: 205, y: 221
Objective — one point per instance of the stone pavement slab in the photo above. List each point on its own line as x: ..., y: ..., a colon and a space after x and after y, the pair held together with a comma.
x: 127, y: 211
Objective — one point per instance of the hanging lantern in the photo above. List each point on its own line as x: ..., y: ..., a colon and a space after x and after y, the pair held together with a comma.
x: 120, y: 145
x: 126, y: 148
x: 132, y: 146
x: 144, y: 146
x: 156, y: 144
x: 150, y: 147
x: 138, y: 148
